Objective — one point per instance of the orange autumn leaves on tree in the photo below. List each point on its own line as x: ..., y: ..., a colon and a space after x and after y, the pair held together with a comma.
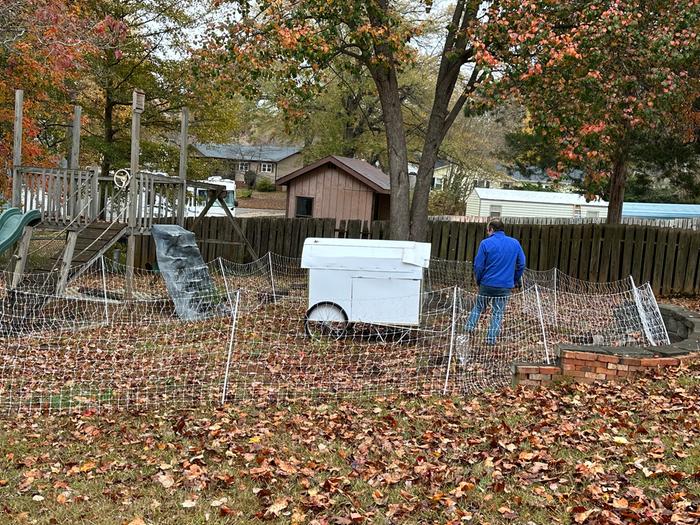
x: 41, y: 44
x: 599, y: 76
x: 290, y: 42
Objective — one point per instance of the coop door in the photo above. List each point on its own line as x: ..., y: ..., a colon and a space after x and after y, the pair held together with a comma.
x: 389, y: 301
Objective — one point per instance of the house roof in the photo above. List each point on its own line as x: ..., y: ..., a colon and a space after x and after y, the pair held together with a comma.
x: 361, y: 170
x: 544, y: 197
x: 263, y: 153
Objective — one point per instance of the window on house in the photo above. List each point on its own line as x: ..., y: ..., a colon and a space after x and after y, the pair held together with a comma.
x: 495, y: 210
x: 267, y: 167
x: 592, y: 214
x: 438, y: 183
x: 577, y: 211
x: 305, y: 207
x: 243, y: 166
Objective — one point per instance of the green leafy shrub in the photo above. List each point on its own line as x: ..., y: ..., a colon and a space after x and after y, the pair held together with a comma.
x: 264, y: 184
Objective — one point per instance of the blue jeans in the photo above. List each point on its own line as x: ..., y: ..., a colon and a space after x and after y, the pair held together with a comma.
x: 497, y: 298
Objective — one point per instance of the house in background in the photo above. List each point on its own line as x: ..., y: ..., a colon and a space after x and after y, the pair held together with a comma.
x: 442, y: 170
x: 651, y: 210
x: 272, y: 162
x: 534, y: 175
x: 491, y: 202
x: 338, y: 187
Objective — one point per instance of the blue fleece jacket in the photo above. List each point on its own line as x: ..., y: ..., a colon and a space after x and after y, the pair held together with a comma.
x: 500, y: 261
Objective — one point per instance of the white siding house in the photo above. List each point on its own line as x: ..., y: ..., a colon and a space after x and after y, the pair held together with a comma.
x: 491, y: 202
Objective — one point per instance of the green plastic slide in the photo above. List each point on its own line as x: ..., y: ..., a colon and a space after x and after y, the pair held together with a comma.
x: 12, y: 224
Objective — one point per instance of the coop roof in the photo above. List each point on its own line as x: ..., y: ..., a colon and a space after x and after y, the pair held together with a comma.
x: 364, y: 254
x: 259, y: 153
x: 361, y: 170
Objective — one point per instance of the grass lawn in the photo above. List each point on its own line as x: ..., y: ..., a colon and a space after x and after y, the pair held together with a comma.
x: 271, y: 200
x: 602, y: 453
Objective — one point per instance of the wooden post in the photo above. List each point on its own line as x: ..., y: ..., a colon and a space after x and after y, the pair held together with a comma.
x: 236, y: 227
x: 94, y: 194
x: 184, y: 130
x: 17, y: 150
x: 66, y: 262
x: 22, y: 254
x: 74, y: 163
x: 137, y: 106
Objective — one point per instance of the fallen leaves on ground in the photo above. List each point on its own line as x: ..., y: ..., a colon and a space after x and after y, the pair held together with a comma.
x: 625, y: 452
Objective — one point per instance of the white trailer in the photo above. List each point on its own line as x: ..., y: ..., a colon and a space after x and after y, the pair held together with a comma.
x: 197, y: 199
x: 360, y: 280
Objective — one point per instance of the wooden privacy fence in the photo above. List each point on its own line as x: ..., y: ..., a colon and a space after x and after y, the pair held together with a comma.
x: 692, y: 223
x: 667, y: 258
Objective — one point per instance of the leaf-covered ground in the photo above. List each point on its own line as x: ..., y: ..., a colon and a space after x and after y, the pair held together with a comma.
x: 604, y: 453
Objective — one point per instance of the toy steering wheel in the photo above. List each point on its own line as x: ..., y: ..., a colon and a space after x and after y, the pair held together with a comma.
x: 121, y: 178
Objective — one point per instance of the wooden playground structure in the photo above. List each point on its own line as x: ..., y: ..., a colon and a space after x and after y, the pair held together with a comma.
x: 95, y: 212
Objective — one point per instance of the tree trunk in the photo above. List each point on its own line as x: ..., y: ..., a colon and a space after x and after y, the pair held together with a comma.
x: 424, y: 177
x: 388, y: 88
x: 617, y: 189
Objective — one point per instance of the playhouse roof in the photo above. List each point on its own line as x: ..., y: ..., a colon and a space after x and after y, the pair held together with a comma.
x: 361, y: 170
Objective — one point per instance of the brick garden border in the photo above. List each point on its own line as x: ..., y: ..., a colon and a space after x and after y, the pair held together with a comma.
x: 587, y: 364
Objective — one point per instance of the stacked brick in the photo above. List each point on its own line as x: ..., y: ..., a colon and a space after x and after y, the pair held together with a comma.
x: 587, y: 367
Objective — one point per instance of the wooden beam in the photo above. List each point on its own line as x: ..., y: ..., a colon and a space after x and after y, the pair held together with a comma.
x: 21, y: 256
x: 74, y: 163
x: 137, y: 107
x: 66, y: 262
x: 212, y: 196
x: 184, y: 130
x: 237, y: 228
x: 17, y: 150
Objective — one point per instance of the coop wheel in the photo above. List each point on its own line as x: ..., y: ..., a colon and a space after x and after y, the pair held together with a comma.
x: 326, y: 319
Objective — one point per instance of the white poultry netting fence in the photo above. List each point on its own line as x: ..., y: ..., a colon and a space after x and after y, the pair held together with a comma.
x: 97, y: 347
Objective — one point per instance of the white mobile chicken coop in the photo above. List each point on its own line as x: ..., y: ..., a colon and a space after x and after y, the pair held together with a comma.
x: 359, y: 280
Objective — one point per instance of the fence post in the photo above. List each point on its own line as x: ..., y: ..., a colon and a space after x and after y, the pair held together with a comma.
x: 104, y: 287
x: 642, y: 315
x: 272, y: 277
x: 223, y: 276
x: 541, y: 316
x: 230, y: 347
x: 556, y: 304
x: 452, y: 339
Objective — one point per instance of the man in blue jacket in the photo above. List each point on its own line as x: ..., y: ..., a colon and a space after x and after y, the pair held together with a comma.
x: 499, y: 264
